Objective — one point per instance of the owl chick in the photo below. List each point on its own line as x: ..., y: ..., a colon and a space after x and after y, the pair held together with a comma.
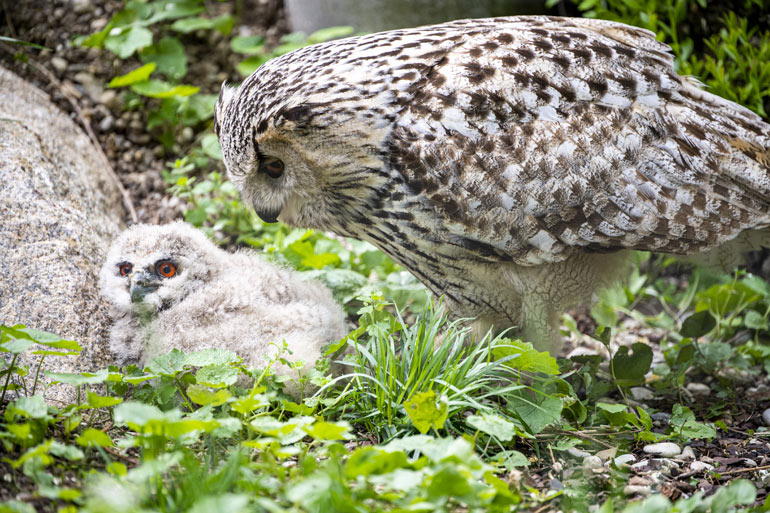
x: 171, y: 287
x: 508, y: 163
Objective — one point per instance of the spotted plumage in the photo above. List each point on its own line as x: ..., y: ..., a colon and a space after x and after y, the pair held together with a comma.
x: 170, y: 287
x: 508, y: 163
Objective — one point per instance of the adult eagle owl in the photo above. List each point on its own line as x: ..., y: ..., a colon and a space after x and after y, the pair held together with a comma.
x: 170, y: 287
x: 509, y: 163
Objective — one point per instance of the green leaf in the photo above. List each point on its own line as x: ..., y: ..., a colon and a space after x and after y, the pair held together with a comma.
x: 135, y: 414
x: 169, y: 56
x: 529, y: 359
x: 493, y: 425
x: 16, y: 346
x: 211, y: 147
x: 140, y: 74
x: 629, y: 369
x: 97, y: 401
x: 32, y: 407
x: 200, y: 394
x: 128, y: 41
x: 168, y: 364
x: 322, y: 430
x: 511, y: 458
x: 217, y: 376
x: 617, y: 415
x: 247, y: 44
x: 536, y: 412
x: 77, y: 379
x: 321, y: 261
x: 247, y: 66
x: 737, y: 492
x: 698, y: 324
x: 92, y: 438
x: 222, y: 24
x: 161, y: 89
x: 427, y: 411
x: 327, y: 34
x: 229, y: 502
x: 367, y: 461
x: 211, y: 357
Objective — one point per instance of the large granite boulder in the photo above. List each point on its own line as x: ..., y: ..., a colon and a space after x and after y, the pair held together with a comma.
x: 59, y: 210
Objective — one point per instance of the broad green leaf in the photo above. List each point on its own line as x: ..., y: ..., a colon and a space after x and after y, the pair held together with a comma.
x: 366, y: 461
x: 217, y: 376
x: 740, y: 491
x: 321, y: 261
x: 168, y: 364
x: 511, y: 458
x: 140, y: 74
x: 16, y: 346
x: 128, y: 41
x: 247, y: 66
x: 312, y: 493
x: 617, y: 414
x: 169, y: 56
x: 211, y: 147
x: 200, y: 394
x: 246, y: 405
x: 135, y: 414
x: 211, y: 357
x: 698, y: 324
x: 14, y: 506
x: 629, y: 369
x: 493, y: 425
x: 427, y: 411
x: 247, y: 44
x: 228, y: 502
x: 529, y: 359
x: 161, y: 89
x: 32, y: 407
x: 77, y: 379
x: 322, y: 430
x: 327, y: 34
x: 755, y: 320
x: 69, y: 452
x: 93, y: 437
x: 97, y: 401
x: 49, y: 339
x: 536, y: 412
x: 222, y: 24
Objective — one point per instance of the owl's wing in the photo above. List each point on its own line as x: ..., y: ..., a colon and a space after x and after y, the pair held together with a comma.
x: 533, y: 136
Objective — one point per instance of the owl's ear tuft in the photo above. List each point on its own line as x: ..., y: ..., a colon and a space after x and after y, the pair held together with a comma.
x: 226, y: 93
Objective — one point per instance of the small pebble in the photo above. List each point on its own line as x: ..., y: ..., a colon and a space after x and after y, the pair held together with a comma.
x: 700, y: 466
x: 749, y: 462
x: 592, y: 462
x: 699, y: 389
x: 624, y: 459
x: 107, y: 124
x: 59, y: 64
x: 687, y: 453
x: 663, y: 449
x: 187, y: 134
x: 661, y: 417
x: 637, y: 490
x: 642, y: 394
x: 766, y: 416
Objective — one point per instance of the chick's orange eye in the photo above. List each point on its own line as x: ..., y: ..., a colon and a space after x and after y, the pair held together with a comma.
x: 125, y: 269
x: 166, y: 269
x: 273, y: 167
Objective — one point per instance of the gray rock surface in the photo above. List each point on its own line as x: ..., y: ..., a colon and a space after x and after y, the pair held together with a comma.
x: 59, y: 210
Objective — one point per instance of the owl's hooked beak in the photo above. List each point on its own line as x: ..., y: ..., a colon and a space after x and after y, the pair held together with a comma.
x: 141, y: 285
x: 268, y: 216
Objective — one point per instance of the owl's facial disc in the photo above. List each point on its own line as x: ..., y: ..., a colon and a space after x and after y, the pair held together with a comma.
x: 147, y: 281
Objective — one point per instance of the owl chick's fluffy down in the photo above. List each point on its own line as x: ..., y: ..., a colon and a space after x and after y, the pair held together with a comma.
x: 508, y: 163
x: 170, y: 287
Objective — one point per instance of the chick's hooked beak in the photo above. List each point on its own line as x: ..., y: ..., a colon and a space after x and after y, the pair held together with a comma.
x: 141, y: 285
x: 267, y: 215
